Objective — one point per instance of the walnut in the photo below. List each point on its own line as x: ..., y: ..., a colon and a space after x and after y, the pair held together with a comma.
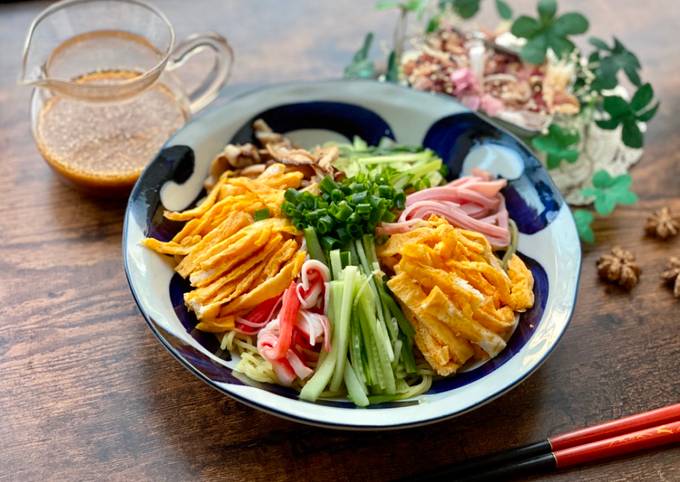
x: 619, y: 267
x: 662, y: 224
x: 672, y: 275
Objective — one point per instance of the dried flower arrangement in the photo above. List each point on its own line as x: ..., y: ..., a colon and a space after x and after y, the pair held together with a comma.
x: 568, y: 104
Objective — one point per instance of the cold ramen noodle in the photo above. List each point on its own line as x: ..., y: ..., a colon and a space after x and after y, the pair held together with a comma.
x: 349, y: 270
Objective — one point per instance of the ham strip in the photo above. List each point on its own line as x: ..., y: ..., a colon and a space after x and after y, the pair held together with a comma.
x: 470, y: 202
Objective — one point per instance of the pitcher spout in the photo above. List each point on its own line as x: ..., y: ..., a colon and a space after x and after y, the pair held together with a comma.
x: 34, y: 56
x: 71, y: 46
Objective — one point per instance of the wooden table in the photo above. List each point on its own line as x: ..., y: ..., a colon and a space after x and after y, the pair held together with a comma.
x: 86, y: 392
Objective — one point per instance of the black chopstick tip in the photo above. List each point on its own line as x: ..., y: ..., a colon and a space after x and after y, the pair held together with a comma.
x: 535, y: 465
x: 483, y: 464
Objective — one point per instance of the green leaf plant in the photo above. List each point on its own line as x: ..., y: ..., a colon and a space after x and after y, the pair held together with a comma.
x: 559, y: 144
x: 628, y: 114
x: 504, y: 10
x: 583, y: 220
x: 548, y: 31
x: 609, y: 61
x: 608, y: 192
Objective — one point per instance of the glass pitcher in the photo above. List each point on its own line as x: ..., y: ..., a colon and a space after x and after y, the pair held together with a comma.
x: 106, y: 97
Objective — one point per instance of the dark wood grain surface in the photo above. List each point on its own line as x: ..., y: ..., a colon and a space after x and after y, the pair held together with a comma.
x: 87, y: 393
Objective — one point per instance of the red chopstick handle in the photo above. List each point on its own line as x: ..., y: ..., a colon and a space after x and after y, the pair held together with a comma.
x: 643, y: 439
x: 616, y: 427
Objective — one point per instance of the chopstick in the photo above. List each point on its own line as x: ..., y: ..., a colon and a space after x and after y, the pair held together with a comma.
x: 617, y: 437
x: 581, y: 454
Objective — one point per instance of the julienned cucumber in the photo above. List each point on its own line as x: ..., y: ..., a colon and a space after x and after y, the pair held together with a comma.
x: 355, y: 390
x: 327, y: 360
x: 371, y: 344
x: 341, y: 325
x: 376, y: 341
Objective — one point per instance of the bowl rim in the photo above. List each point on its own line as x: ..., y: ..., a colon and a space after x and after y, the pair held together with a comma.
x: 299, y: 418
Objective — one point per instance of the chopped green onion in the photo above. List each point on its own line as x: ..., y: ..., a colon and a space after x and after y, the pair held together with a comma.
x: 386, y: 191
x: 357, y: 187
x: 389, y: 217
x: 347, y: 209
x: 400, y: 200
x: 354, y: 230
x: 324, y: 224
x: 359, y: 197
x: 291, y: 195
x: 344, y: 235
x: 344, y: 211
x: 329, y: 242
x: 363, y: 208
x: 261, y: 214
x: 327, y: 185
x: 288, y: 209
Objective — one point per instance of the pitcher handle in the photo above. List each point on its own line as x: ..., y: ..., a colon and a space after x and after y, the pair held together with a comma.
x: 219, y: 74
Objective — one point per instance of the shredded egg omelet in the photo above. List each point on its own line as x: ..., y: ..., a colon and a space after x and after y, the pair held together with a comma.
x: 459, y: 299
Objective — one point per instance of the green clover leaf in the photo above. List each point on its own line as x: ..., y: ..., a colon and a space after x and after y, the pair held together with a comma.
x: 642, y: 97
x: 361, y: 66
x: 463, y: 8
x: 503, y: 9
x: 598, y: 43
x: 534, y: 50
x: 525, y: 27
x: 547, y: 9
x: 467, y: 9
x: 615, y: 59
x: 610, y: 191
x: 648, y: 114
x: 583, y: 220
x: 631, y: 134
x: 548, y: 31
x: 570, y: 24
x: 628, y: 114
x: 559, y: 144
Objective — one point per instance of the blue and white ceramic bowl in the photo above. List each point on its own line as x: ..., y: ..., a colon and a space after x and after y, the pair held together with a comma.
x: 311, y: 113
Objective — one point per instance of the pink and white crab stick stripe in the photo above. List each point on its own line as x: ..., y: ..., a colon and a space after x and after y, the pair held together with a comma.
x: 274, y: 341
x: 313, y: 276
x: 316, y: 327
